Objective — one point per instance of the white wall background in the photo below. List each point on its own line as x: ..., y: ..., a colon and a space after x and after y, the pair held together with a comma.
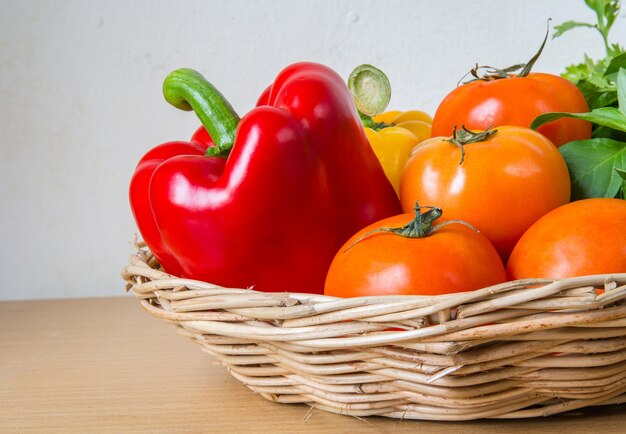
x: 80, y: 88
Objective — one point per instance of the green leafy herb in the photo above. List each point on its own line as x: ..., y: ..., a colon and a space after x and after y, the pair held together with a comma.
x: 606, y: 116
x: 596, y: 78
x: 617, y: 62
x: 622, y: 174
x: 596, y: 165
x: 569, y: 25
x: 590, y: 79
x: 606, y: 13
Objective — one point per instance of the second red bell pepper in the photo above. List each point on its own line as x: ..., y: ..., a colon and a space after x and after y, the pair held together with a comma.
x: 300, y: 178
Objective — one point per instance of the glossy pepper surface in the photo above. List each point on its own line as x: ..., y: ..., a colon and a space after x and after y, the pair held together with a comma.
x: 277, y: 194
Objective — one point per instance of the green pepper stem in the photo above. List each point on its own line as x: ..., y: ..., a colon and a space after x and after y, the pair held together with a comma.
x: 187, y: 89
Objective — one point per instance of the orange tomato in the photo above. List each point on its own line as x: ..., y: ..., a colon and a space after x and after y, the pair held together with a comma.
x: 581, y: 238
x: 515, y: 101
x: 504, y: 184
x: 453, y: 258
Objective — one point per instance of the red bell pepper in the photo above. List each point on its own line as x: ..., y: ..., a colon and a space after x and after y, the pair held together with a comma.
x: 300, y: 179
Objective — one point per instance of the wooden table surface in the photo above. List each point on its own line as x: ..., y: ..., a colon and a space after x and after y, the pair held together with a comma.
x: 105, y: 365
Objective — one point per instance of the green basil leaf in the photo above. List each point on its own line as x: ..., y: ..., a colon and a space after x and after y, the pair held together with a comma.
x: 608, y: 133
x: 593, y: 166
x: 605, y: 116
x: 598, y: 100
x: 597, y: 97
x: 622, y: 174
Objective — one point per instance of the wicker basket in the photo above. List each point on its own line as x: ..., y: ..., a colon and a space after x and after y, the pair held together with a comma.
x: 520, y: 349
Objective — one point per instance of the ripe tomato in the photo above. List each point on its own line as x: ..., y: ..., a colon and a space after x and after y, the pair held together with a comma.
x: 514, y: 101
x: 503, y: 186
x: 581, y: 238
x: 453, y: 258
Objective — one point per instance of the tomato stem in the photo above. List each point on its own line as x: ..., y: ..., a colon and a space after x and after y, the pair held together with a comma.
x: 491, y: 73
x: 529, y: 65
x: 421, y: 226
x: 187, y: 89
x: 464, y: 137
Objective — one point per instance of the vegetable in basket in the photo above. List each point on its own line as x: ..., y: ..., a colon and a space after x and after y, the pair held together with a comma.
x: 580, y: 238
x: 414, y: 254
x: 275, y: 197
x: 501, y: 181
x: 502, y: 97
x: 391, y: 134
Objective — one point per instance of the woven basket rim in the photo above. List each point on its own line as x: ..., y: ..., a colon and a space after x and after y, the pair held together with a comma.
x: 142, y: 253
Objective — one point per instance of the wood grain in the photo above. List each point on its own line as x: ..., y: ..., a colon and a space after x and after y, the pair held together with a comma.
x: 105, y: 365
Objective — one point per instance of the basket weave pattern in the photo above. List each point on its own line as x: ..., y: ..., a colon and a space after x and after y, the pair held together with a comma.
x: 520, y: 349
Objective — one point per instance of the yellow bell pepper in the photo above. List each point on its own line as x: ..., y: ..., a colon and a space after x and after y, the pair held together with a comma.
x: 393, y: 144
x: 392, y: 134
